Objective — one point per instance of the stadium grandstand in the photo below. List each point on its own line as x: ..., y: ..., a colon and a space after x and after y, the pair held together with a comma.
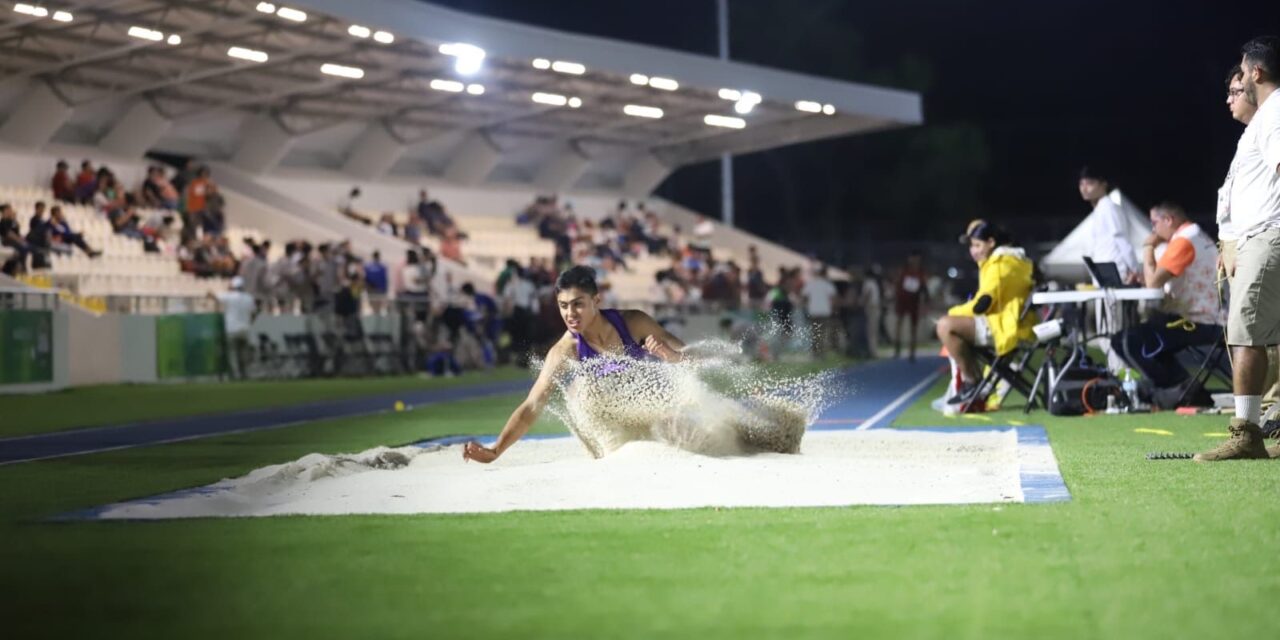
x: 351, y: 125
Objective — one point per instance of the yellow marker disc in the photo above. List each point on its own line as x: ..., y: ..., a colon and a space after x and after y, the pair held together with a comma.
x: 399, y: 405
x: 1158, y: 432
x: 1216, y: 435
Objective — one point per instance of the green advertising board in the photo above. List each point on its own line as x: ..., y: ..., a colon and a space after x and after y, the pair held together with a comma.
x: 189, y: 345
x: 26, y: 347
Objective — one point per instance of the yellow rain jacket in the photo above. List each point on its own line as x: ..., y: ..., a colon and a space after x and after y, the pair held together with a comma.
x: 1006, y: 276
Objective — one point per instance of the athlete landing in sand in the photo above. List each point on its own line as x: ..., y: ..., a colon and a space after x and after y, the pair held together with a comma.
x: 592, y: 331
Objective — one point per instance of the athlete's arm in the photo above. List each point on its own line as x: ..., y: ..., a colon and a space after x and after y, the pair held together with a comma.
x: 527, y: 413
x: 653, y: 337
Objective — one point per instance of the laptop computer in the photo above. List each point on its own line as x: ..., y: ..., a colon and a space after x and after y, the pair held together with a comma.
x: 1106, y: 274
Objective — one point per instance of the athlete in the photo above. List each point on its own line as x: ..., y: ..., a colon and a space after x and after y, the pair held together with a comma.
x: 613, y: 336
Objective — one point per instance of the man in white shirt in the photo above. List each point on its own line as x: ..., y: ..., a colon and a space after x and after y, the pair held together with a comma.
x: 238, y: 313
x: 1108, y: 238
x: 819, y: 298
x: 1253, y: 320
x: 1109, y: 242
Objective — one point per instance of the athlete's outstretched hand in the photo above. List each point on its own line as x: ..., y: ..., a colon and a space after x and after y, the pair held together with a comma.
x: 659, y: 348
x: 475, y: 451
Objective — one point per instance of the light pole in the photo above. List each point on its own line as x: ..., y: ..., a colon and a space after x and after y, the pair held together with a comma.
x: 726, y: 159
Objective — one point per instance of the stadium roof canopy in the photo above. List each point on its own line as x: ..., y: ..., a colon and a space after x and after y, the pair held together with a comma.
x: 397, y: 86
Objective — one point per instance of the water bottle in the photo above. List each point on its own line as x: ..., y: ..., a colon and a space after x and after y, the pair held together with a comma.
x: 1130, y: 386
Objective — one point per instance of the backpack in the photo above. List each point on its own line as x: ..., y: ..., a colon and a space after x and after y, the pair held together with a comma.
x: 1085, y: 389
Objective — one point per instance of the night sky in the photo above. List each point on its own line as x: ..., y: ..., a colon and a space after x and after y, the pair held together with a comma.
x: 1017, y: 96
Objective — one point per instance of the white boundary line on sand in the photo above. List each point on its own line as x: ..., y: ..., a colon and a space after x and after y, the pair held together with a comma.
x: 901, y: 400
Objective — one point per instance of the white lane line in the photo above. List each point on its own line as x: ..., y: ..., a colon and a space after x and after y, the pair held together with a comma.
x: 901, y: 400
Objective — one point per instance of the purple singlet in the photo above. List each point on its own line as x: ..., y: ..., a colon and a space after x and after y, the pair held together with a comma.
x: 633, y: 350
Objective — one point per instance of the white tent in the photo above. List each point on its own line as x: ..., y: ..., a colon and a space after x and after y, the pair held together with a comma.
x: 1066, y: 261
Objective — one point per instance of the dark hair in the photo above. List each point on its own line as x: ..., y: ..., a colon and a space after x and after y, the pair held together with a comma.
x: 1172, y: 209
x: 1264, y: 52
x: 469, y: 289
x: 580, y: 277
x: 1096, y: 172
x: 1232, y: 73
x: 989, y: 231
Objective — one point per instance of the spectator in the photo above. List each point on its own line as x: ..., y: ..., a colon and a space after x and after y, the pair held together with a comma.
x: 64, y: 188
x: 1190, y: 314
x: 348, y: 207
x: 757, y: 288
x: 346, y: 305
x: 39, y: 238
x: 375, y: 284
x: 157, y: 191
x: 185, y: 176
x: 109, y: 199
x: 909, y: 295
x: 415, y: 279
x: 63, y: 237
x: 1253, y: 320
x: 854, y: 315
x: 86, y: 183
x: 993, y: 317
x: 387, y: 225
x: 520, y: 298
x: 433, y: 215
x: 325, y: 277
x: 11, y: 236
x: 238, y: 315
x: 197, y: 195
x: 820, y: 298
x: 253, y: 272
x: 213, y: 220
x: 451, y: 246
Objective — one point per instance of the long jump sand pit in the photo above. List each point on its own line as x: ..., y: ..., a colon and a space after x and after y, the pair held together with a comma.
x: 834, y: 468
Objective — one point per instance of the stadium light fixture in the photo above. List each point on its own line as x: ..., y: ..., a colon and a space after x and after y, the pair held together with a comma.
x: 728, y: 122
x: 641, y: 111
x: 342, y: 71
x: 174, y: 39
x: 266, y: 7
x: 828, y: 109
x: 63, y: 16
x: 252, y: 55
x: 289, y: 13
x: 541, y: 63
x: 639, y: 78
x: 571, y: 68
x: 451, y: 86
x: 358, y: 31
x: 144, y: 33
x: 383, y: 37
x: 808, y: 106
x: 575, y: 102
x: 665, y: 84
x: 30, y: 10
x: 747, y: 102
x: 468, y: 58
x: 732, y: 95
x: 475, y: 89
x: 553, y: 99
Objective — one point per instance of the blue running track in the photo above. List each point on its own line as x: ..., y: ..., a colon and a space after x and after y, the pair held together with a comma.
x: 879, y: 391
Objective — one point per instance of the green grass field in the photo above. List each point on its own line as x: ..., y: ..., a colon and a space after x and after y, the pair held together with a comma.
x: 1144, y: 549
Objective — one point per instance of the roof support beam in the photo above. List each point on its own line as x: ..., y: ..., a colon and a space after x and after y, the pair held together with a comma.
x: 374, y: 153
x: 136, y: 132
x: 644, y: 175
x: 477, y: 158
x: 563, y: 170
x: 40, y: 114
x: 263, y: 144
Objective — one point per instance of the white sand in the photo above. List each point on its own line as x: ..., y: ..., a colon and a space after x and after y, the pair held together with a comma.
x: 876, y: 467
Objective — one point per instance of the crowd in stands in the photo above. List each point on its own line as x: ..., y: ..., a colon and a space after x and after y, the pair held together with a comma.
x: 181, y: 216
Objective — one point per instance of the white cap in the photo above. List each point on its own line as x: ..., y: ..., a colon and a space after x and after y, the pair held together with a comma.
x: 237, y: 283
